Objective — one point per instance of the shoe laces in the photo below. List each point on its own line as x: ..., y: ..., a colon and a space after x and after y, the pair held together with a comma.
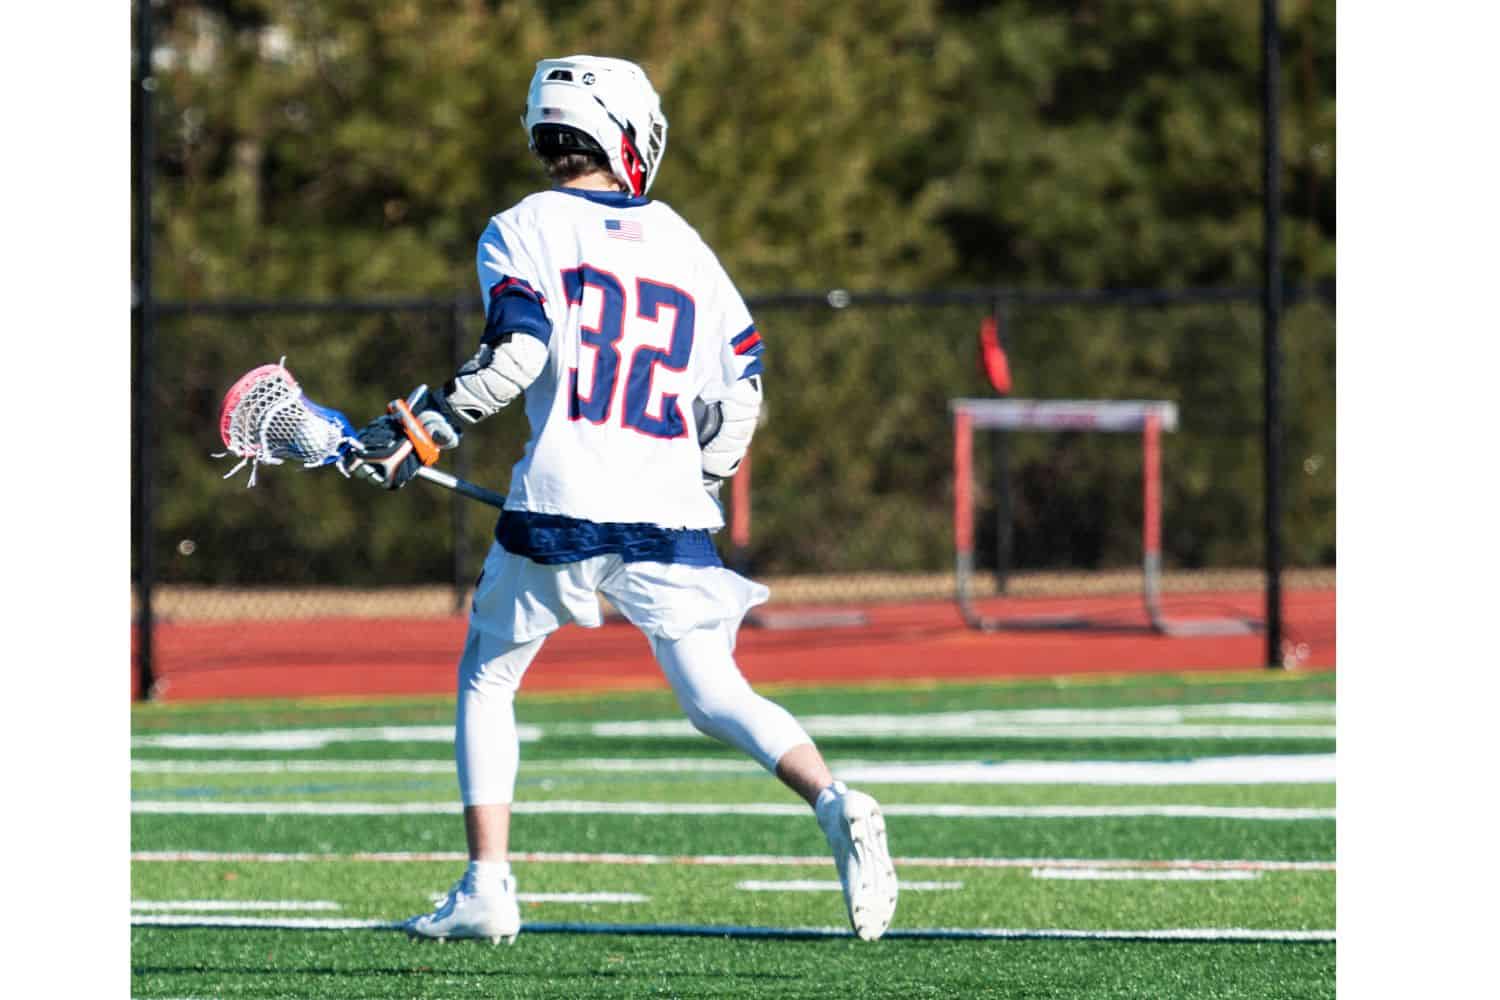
x: 450, y: 900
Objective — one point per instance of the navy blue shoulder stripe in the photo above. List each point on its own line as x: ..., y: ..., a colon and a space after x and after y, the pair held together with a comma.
x: 518, y: 286
x: 515, y: 306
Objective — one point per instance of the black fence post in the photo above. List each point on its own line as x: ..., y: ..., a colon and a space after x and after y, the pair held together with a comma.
x: 1271, y: 299
x: 141, y: 374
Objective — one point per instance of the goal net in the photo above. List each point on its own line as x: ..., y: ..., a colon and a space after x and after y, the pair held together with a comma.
x: 1148, y: 418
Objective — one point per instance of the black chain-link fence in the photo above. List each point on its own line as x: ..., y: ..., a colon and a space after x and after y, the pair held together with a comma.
x: 851, y: 473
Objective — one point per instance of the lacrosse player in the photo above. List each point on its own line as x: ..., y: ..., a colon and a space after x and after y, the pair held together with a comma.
x: 641, y: 371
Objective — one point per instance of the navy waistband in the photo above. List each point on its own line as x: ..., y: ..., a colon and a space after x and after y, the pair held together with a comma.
x: 551, y: 539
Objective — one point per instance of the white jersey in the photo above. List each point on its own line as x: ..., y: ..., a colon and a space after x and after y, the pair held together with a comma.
x: 640, y: 320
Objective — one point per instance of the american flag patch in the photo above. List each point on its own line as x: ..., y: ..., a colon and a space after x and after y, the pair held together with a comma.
x: 617, y: 229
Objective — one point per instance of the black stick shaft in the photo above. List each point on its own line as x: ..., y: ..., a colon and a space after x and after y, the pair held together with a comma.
x: 462, y: 487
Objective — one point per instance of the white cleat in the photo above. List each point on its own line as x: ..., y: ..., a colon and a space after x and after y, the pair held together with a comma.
x: 856, y: 834
x: 466, y: 914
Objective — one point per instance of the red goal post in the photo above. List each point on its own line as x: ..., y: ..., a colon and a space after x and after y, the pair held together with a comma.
x: 1148, y: 417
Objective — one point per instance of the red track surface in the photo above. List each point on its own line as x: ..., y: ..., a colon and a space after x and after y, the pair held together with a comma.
x: 905, y: 642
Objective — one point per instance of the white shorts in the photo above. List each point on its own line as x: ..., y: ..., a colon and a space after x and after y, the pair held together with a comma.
x: 518, y: 600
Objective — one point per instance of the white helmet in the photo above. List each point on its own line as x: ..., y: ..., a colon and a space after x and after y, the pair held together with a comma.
x: 591, y: 104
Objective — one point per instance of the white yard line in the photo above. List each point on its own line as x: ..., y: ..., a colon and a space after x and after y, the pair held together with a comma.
x: 211, y: 905
x: 582, y: 897
x: 648, y: 765
x: 961, y: 726
x: 729, y: 860
x: 1239, y: 770
x: 927, y: 723
x: 1217, y: 721
x: 308, y: 739
x: 279, y: 923
x: 570, y: 897
x: 667, y: 765
x: 1123, y: 875
x: 833, y: 885
x: 1154, y: 722
x: 297, y: 808
x: 700, y: 930
x: 292, y: 766
x: 582, y: 808
x: 293, y: 739
x: 1246, y: 770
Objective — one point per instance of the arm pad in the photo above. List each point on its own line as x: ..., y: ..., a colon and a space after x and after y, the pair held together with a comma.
x: 493, y: 378
x: 725, y: 435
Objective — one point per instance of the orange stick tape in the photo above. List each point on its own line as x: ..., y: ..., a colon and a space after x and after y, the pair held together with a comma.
x: 426, y: 448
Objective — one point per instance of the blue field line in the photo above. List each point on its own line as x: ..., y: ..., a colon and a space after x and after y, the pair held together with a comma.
x: 732, y: 931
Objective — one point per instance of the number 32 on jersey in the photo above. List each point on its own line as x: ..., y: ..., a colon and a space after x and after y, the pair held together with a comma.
x: 594, y: 401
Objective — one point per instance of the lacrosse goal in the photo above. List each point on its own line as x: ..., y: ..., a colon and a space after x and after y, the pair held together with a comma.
x: 1150, y: 418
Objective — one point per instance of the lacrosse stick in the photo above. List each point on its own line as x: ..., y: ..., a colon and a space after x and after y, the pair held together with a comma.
x: 267, y: 419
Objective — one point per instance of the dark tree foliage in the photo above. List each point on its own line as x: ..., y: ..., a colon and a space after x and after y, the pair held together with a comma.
x: 314, y: 150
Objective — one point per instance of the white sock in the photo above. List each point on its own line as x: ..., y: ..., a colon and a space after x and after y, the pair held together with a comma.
x: 487, y: 876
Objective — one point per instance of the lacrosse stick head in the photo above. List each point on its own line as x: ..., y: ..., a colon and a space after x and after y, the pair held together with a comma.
x: 266, y: 418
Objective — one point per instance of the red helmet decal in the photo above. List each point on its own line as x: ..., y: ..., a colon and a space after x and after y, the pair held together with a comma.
x: 635, y: 167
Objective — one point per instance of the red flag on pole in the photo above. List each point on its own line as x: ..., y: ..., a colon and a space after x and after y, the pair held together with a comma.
x: 992, y: 356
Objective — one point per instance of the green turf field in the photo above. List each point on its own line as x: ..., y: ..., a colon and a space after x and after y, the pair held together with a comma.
x: 1142, y: 837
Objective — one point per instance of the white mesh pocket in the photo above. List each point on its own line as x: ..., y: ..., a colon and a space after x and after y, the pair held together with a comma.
x: 264, y: 419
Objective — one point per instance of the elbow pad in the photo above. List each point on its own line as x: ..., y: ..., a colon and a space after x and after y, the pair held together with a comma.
x: 493, y: 378
x: 726, y: 427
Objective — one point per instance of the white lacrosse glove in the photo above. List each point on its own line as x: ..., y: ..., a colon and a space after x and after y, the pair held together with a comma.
x: 725, y: 427
x: 392, y: 447
x: 437, y: 415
